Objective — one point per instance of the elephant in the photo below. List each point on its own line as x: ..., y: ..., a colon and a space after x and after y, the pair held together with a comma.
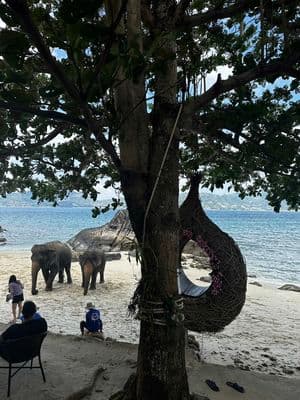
x: 92, y: 262
x: 52, y: 258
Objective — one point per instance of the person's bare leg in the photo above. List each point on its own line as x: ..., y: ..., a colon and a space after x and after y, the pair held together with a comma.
x: 20, y: 307
x: 14, y: 309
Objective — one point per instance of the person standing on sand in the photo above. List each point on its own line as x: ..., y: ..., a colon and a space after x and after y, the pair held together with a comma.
x: 92, y: 323
x: 15, y: 289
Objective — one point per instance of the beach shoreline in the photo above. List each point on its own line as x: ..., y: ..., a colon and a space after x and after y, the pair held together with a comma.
x: 253, y: 276
x: 262, y: 339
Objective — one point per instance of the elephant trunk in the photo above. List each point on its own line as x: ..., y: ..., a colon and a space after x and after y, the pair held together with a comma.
x: 35, y: 267
x: 87, y: 273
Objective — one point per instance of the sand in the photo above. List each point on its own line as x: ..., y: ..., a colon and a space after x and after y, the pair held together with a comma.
x: 259, y: 350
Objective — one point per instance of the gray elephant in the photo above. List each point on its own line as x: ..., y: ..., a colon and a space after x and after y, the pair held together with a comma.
x: 51, y: 258
x: 92, y: 262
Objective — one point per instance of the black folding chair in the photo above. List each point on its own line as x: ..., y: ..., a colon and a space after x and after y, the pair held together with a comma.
x: 22, y: 350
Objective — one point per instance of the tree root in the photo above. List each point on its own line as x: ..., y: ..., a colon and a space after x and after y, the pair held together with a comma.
x: 86, y: 390
x: 128, y: 392
x: 195, y: 396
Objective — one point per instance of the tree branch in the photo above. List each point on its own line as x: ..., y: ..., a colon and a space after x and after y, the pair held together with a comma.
x: 293, y: 72
x: 181, y: 8
x: 279, y: 67
x: 146, y: 15
x: 18, y: 151
x: 105, y: 53
x: 217, y: 13
x: 21, y: 10
x: 96, y: 128
x: 231, y: 140
x: 54, y: 115
x: 233, y: 10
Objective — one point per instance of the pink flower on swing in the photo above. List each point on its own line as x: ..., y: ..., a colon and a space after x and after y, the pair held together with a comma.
x: 216, y: 286
x: 187, y: 233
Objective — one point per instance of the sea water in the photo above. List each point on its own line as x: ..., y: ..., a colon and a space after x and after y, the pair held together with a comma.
x: 270, y: 242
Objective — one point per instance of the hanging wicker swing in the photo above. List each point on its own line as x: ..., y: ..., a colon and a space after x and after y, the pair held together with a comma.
x: 210, y: 309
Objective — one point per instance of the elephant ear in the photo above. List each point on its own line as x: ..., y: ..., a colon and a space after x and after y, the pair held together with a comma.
x: 36, y: 251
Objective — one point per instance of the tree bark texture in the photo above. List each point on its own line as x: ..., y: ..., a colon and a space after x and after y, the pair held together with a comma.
x: 161, y: 372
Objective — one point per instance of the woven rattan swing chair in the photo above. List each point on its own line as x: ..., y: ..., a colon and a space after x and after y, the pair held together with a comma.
x: 210, y: 309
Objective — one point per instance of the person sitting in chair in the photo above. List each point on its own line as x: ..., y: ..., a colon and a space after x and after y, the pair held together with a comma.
x: 92, y: 323
x: 30, y: 325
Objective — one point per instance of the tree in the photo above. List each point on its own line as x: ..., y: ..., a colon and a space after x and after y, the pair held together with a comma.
x: 118, y: 89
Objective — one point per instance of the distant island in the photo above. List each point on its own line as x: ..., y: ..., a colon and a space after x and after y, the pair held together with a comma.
x: 210, y: 201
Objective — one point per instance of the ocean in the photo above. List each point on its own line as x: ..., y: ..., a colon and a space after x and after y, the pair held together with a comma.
x: 270, y: 242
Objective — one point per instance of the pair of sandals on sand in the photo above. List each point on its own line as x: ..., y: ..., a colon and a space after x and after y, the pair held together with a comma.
x: 213, y: 386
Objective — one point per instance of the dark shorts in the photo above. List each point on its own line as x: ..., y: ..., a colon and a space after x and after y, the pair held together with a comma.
x: 17, y: 299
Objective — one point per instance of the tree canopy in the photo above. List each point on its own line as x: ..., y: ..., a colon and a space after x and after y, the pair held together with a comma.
x: 60, y: 63
x: 141, y: 93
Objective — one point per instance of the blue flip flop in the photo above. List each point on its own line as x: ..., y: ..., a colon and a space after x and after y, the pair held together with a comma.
x: 212, y: 385
x: 236, y: 386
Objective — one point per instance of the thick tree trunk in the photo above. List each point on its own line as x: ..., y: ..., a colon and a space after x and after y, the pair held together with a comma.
x: 161, y: 372
x: 161, y: 363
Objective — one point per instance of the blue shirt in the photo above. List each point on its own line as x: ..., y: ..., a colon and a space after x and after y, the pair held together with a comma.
x: 93, y: 321
x: 36, y: 315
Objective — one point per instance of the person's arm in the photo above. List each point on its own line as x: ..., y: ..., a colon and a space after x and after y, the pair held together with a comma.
x: 87, y: 320
x: 45, y: 324
x: 20, y: 284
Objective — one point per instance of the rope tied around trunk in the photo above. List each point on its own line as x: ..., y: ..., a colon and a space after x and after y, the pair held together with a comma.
x: 162, y: 313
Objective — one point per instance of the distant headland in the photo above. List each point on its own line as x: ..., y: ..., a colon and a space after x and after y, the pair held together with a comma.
x: 210, y: 201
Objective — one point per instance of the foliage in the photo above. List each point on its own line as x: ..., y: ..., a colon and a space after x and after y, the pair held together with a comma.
x: 59, y: 66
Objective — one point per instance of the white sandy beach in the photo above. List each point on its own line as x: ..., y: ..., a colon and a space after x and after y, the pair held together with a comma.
x: 264, y: 338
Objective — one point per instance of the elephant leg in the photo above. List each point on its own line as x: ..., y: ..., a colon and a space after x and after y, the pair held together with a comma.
x: 34, y: 273
x: 45, y: 273
x: 61, y: 276
x: 68, y: 273
x: 101, y: 276
x: 88, y: 271
x: 93, y: 281
x: 101, y: 270
x: 50, y: 280
x: 82, y: 274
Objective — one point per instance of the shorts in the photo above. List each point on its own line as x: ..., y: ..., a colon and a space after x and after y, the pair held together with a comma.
x: 17, y: 299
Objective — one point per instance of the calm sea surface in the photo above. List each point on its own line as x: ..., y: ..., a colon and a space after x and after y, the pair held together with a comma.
x: 270, y: 242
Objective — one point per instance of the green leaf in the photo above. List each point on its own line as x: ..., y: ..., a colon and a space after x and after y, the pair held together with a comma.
x: 13, y: 47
